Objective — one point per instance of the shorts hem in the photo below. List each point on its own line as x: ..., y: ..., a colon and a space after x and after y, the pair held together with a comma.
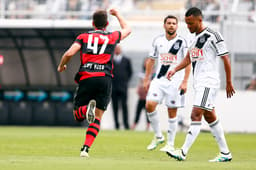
x: 204, y: 108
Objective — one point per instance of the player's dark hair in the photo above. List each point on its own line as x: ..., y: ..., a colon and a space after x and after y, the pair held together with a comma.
x: 194, y: 11
x: 170, y: 16
x: 100, y: 19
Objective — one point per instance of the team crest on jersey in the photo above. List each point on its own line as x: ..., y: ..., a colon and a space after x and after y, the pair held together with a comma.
x: 196, y: 54
x: 176, y: 46
x: 167, y: 59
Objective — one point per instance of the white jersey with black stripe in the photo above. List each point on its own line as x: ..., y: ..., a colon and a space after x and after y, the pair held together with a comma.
x: 205, y: 51
x: 168, y: 54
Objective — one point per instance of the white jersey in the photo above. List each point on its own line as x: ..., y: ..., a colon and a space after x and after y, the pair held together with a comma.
x: 205, y: 52
x: 169, y: 53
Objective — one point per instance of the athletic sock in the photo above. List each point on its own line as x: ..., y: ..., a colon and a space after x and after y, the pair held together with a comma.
x: 80, y: 113
x: 172, y: 128
x: 218, y: 133
x: 92, y: 132
x: 192, y: 134
x: 155, y: 123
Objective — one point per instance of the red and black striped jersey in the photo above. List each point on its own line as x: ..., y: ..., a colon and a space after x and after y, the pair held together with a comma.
x: 96, y: 53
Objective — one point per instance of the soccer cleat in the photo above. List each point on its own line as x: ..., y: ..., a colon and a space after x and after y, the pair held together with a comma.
x: 177, y: 154
x: 155, y: 142
x: 166, y: 148
x: 222, y: 158
x: 84, y: 152
x: 90, y: 113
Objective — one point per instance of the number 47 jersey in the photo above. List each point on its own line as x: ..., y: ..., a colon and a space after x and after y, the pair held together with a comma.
x: 169, y: 54
x: 96, y: 53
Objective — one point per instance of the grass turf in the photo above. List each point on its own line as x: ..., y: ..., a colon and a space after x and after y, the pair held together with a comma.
x: 53, y: 148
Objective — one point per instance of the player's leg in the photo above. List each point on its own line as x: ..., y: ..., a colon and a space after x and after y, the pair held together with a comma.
x: 201, y: 96
x: 84, y: 107
x: 91, y: 133
x: 155, y: 124
x: 101, y: 94
x: 218, y: 133
x: 173, y: 101
x: 172, y: 129
x: 154, y: 96
x: 191, y: 136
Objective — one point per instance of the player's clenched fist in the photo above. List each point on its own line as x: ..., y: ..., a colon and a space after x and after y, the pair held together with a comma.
x: 113, y: 11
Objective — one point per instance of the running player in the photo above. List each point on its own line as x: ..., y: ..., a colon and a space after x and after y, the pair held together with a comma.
x: 207, y: 47
x: 169, y: 49
x: 95, y: 73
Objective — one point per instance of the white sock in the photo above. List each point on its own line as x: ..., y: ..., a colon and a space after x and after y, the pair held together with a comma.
x: 218, y: 133
x: 172, y: 129
x: 192, y: 134
x: 155, y: 123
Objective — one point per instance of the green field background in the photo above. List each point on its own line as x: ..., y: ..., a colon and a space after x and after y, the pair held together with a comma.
x: 58, y: 148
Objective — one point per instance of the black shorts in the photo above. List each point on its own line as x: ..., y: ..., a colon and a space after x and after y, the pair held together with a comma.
x: 97, y: 88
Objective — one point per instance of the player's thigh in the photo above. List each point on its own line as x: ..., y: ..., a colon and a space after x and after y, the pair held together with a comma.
x: 155, y: 92
x: 173, y: 98
x: 205, y: 98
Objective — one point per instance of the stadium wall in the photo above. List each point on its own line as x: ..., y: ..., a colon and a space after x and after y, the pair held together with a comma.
x: 237, y: 114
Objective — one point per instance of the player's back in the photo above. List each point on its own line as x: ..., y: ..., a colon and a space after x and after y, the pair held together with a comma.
x: 96, y: 54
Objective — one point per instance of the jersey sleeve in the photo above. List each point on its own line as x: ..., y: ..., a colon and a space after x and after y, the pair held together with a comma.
x: 220, y: 45
x: 79, y: 39
x: 153, y: 53
x: 117, y: 36
x: 184, y: 48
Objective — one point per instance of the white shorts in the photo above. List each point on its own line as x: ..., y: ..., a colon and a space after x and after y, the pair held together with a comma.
x: 205, y: 98
x: 168, y: 91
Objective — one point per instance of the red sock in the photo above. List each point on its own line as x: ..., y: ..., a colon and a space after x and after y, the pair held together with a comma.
x: 80, y: 113
x: 92, y: 132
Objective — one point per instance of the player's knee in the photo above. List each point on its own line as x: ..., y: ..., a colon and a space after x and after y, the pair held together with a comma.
x: 197, y: 114
x: 150, y: 107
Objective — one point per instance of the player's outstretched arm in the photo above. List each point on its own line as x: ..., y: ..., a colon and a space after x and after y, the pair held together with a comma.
x: 229, y: 86
x: 126, y: 29
x: 75, y: 47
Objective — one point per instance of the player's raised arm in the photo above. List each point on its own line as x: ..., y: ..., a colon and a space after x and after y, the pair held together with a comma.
x: 126, y: 29
x: 75, y: 47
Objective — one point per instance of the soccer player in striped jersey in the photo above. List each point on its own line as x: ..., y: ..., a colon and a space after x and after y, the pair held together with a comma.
x: 94, y: 77
x: 205, y: 51
x: 168, y: 49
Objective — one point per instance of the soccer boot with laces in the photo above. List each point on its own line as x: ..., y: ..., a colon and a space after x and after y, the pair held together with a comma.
x: 90, y: 113
x: 222, y: 158
x: 177, y: 154
x: 166, y: 148
x: 84, y: 151
x: 155, y: 142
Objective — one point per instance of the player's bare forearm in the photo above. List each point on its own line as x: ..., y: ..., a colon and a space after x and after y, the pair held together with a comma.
x: 229, y: 86
x: 149, y: 67
x: 184, y: 83
x: 227, y: 67
x: 126, y: 29
x: 148, y: 72
x: 184, y: 63
x: 68, y: 55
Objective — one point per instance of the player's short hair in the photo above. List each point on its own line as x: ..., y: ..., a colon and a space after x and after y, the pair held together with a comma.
x: 100, y: 19
x: 170, y: 16
x: 194, y: 11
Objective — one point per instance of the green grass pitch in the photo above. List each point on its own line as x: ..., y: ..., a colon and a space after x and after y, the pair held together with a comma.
x: 58, y: 148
